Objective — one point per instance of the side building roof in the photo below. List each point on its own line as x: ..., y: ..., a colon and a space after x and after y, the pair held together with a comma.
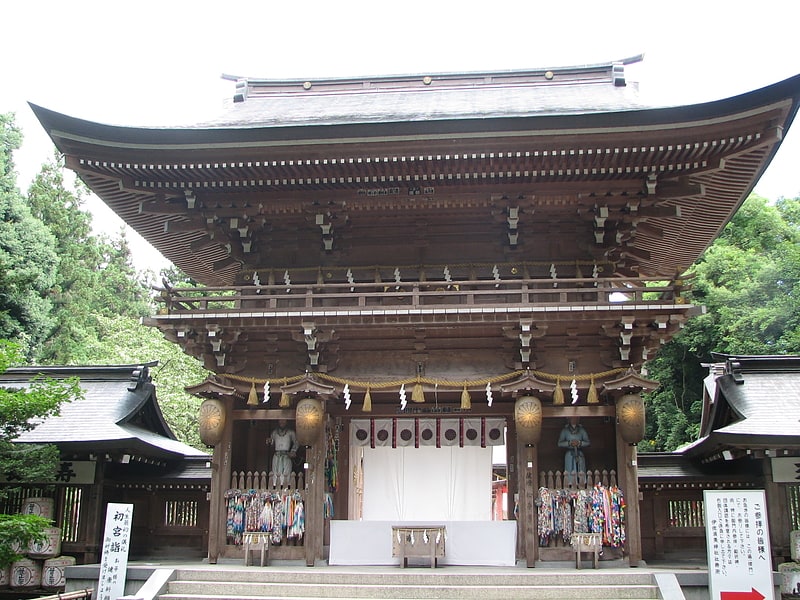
x: 751, y: 406
x: 118, y: 414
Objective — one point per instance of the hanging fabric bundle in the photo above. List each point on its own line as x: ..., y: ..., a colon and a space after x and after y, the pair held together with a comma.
x: 558, y: 393
x: 367, y: 402
x: 285, y: 401
x: 417, y: 394
x: 466, y: 400
x: 591, y: 397
x: 252, y: 398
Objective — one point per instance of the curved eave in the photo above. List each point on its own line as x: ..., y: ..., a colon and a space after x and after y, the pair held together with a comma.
x: 64, y: 129
x: 128, y: 166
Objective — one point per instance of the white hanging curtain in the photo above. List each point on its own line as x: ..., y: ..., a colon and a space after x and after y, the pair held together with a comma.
x: 427, y: 483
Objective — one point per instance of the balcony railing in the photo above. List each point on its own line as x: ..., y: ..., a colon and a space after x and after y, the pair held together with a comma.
x: 563, y: 294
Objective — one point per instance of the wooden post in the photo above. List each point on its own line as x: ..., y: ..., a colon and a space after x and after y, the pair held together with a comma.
x: 220, y: 480
x: 315, y: 482
x: 629, y: 482
x: 777, y: 513
x: 527, y: 469
x: 96, y: 513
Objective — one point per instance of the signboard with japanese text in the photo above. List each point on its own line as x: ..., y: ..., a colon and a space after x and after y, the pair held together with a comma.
x: 114, y: 559
x: 73, y: 472
x: 737, y: 538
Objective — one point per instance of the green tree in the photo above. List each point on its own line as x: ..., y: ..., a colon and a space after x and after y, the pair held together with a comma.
x: 95, y: 277
x: 19, y: 409
x: 749, y: 282
x: 28, y: 259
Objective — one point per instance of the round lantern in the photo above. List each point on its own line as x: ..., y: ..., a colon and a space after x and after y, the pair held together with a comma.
x: 211, y: 421
x: 528, y: 418
x: 630, y: 418
x: 308, y: 423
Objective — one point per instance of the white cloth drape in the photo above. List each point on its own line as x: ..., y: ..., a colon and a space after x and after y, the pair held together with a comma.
x: 427, y: 483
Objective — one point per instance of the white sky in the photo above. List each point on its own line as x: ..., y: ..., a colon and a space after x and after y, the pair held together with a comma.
x: 159, y: 63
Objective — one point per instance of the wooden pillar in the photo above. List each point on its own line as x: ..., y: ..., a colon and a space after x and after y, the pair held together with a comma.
x: 777, y: 514
x: 315, y: 482
x: 95, y: 511
x: 629, y: 483
x: 341, y: 505
x: 527, y: 469
x: 220, y: 480
x: 660, y: 524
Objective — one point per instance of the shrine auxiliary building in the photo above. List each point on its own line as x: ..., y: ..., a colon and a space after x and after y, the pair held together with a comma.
x: 415, y: 270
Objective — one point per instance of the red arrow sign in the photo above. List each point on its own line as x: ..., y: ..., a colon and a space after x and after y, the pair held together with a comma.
x: 753, y: 594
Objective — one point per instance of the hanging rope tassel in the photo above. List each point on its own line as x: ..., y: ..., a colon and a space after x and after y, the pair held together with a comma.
x: 367, y: 402
x: 252, y: 398
x: 417, y: 395
x: 466, y: 401
x: 285, y: 401
x: 558, y: 393
x: 591, y: 397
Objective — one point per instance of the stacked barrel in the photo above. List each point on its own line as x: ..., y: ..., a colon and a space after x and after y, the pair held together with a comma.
x: 42, y: 567
x: 790, y: 571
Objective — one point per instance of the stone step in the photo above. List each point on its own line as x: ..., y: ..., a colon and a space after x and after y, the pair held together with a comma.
x: 233, y: 591
x: 443, y: 577
x: 270, y: 584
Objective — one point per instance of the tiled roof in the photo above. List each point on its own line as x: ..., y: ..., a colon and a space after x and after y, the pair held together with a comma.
x: 768, y: 404
x: 755, y: 404
x: 450, y: 96
x: 113, y: 396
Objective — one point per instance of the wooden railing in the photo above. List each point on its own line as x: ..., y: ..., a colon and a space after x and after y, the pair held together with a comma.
x: 556, y: 480
x: 268, y: 482
x: 357, y: 296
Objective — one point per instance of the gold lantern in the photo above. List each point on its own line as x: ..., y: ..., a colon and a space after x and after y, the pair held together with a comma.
x: 309, y: 421
x: 528, y: 418
x: 630, y: 418
x: 211, y: 421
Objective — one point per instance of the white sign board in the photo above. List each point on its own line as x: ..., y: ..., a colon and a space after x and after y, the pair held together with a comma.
x: 114, y: 559
x: 737, y: 538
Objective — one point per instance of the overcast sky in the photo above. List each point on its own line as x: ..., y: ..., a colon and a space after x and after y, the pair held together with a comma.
x: 160, y: 63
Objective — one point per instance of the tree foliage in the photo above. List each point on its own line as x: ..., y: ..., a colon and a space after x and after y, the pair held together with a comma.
x: 68, y: 296
x: 20, y: 410
x: 94, y: 278
x: 17, y: 532
x: 749, y: 282
x: 27, y: 256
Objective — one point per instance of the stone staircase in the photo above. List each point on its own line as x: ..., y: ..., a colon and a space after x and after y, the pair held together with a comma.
x: 276, y: 583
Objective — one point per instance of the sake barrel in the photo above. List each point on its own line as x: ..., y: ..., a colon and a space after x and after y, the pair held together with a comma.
x: 794, y: 543
x: 790, y: 579
x: 42, y: 507
x: 26, y: 573
x: 49, y: 547
x: 54, y: 571
x: 5, y: 576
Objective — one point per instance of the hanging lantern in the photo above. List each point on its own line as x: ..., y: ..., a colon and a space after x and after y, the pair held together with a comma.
x: 528, y: 418
x: 211, y: 421
x: 308, y: 422
x: 631, y: 418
